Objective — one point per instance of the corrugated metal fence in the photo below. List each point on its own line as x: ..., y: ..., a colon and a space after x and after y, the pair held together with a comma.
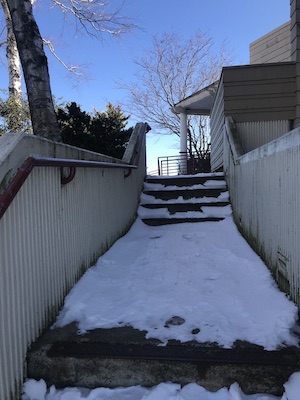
x: 50, y: 234
x: 265, y: 192
x: 255, y: 134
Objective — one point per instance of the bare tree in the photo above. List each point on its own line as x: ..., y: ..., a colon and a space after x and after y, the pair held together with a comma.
x: 35, y: 69
x: 94, y: 17
x: 14, y: 103
x: 169, y: 72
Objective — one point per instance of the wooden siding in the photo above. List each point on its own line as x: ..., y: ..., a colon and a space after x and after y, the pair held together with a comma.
x: 253, y: 94
x: 263, y: 92
x: 272, y: 47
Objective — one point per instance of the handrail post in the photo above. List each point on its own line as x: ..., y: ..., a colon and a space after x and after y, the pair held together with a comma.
x: 136, y: 141
x: 183, y: 163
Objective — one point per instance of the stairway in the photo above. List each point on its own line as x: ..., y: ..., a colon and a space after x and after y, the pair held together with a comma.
x: 171, y: 200
x: 122, y: 357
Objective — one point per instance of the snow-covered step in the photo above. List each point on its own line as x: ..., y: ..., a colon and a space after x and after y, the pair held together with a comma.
x: 190, y: 304
x: 169, y: 200
x: 163, y: 216
x: 186, y: 188
x: 122, y: 357
x: 187, y: 180
x: 186, y: 194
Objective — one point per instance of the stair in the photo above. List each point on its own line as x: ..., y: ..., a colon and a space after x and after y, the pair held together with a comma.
x: 172, y: 200
x: 123, y: 357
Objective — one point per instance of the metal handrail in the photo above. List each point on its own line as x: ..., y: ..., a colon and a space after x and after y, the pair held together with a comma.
x: 18, y: 180
x: 137, y: 140
x: 170, y: 165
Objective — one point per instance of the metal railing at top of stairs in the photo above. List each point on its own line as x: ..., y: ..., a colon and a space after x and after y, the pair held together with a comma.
x: 196, y: 163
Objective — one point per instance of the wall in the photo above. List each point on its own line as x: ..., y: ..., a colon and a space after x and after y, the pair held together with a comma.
x: 265, y: 191
x: 50, y: 234
x: 255, y: 134
x: 263, y: 92
x: 255, y: 96
x: 273, y: 47
x: 15, y: 148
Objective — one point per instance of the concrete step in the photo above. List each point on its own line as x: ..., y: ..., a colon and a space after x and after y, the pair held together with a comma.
x: 186, y: 194
x: 186, y: 180
x: 170, y: 213
x: 169, y: 200
x: 178, y: 220
x: 123, y: 357
x: 184, y: 207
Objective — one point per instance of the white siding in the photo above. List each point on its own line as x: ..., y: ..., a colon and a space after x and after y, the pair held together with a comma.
x: 273, y: 47
x: 260, y: 99
x: 255, y: 134
x: 265, y: 191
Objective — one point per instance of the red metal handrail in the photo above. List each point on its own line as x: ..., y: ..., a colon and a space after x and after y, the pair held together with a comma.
x: 18, y: 180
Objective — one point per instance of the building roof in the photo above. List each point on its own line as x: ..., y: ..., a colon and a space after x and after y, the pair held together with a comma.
x: 199, y: 103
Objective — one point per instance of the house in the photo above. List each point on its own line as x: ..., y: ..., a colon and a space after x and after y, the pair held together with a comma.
x: 255, y: 140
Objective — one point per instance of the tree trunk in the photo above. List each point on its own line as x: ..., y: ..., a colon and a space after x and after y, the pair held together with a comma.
x: 35, y: 69
x: 14, y: 74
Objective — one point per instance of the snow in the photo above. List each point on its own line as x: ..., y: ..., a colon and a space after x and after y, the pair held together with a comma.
x: 209, y: 184
x: 204, y: 276
x: 225, y: 211
x: 204, y: 213
x: 36, y: 390
x: 200, y: 174
x: 292, y: 387
x: 148, y: 199
x: 205, y: 273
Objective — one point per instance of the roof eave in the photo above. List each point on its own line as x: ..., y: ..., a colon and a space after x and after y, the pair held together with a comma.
x: 199, y: 103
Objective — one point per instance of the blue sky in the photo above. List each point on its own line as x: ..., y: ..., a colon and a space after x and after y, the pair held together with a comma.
x: 236, y: 21
x: 105, y: 63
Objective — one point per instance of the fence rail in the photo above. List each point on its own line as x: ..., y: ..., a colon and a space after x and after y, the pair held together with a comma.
x: 51, y: 233
x: 195, y: 163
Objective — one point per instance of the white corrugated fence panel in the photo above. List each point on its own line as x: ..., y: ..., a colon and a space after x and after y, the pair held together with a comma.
x: 50, y: 234
x: 265, y: 192
x: 255, y: 134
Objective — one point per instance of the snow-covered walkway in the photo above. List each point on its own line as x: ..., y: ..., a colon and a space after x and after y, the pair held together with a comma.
x: 198, y: 281
x: 205, y: 274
